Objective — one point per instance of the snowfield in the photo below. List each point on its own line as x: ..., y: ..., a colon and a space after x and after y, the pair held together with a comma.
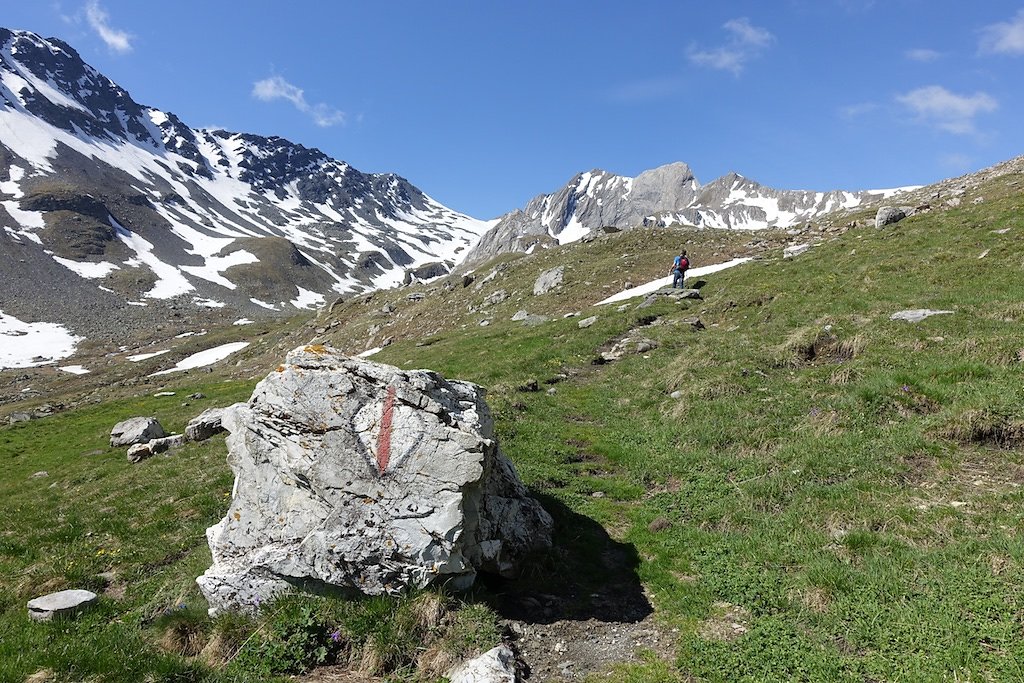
x: 662, y: 282
x: 29, y: 345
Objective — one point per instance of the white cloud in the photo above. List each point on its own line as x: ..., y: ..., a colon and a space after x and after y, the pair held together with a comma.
x: 922, y: 55
x: 277, y: 88
x: 117, y: 40
x: 1005, y: 37
x: 946, y: 110
x: 745, y: 42
x: 853, y: 111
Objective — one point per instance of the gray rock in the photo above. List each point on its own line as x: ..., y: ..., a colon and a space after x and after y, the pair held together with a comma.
x: 533, y: 320
x: 629, y: 345
x: 520, y: 316
x: 60, y: 605
x: 587, y: 322
x: 548, y: 280
x: 497, y: 665
x: 495, y: 297
x: 142, y: 451
x: 676, y: 394
x: 795, y: 250
x: 135, y: 430
x: 18, y: 417
x: 916, y: 315
x: 887, y: 215
x: 359, y: 475
x: 205, y: 425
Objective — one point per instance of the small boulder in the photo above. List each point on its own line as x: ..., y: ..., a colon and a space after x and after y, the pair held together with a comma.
x: 520, y: 316
x: 495, y: 297
x: 548, y: 280
x: 795, y: 250
x: 497, y: 665
x: 135, y: 430
x: 18, y: 417
x: 60, y: 605
x: 142, y: 451
x: 205, y: 425
x: 887, y: 215
x: 587, y: 322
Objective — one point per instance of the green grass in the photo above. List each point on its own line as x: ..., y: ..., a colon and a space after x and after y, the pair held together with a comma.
x: 852, y: 484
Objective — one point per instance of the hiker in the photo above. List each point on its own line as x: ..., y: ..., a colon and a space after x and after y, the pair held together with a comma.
x: 679, y: 266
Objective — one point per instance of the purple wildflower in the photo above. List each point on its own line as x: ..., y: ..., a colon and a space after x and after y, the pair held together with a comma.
x: 336, y: 636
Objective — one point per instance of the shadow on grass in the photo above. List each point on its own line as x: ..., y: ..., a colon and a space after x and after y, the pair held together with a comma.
x: 585, y: 575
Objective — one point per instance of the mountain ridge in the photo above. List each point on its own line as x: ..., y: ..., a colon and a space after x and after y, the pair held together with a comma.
x: 662, y: 196
x: 141, y: 207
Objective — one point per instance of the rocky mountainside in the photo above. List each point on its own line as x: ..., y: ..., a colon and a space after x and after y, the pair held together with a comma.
x: 663, y: 196
x: 108, y: 206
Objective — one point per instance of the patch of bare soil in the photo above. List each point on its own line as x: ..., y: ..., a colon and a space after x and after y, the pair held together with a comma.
x: 573, y: 650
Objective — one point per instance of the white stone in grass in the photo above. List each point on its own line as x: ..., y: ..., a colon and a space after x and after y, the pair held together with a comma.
x: 587, y: 322
x: 916, y: 315
x: 62, y: 604
x: 497, y: 665
x: 795, y: 250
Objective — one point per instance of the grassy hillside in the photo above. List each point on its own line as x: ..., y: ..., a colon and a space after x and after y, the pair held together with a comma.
x: 802, y: 490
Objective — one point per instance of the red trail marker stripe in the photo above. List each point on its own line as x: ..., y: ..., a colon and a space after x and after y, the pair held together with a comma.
x: 384, y: 436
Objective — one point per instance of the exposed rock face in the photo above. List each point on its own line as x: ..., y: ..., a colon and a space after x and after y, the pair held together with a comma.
x: 135, y: 430
x: 359, y: 475
x: 206, y: 424
x: 142, y: 451
x: 548, y: 280
x: 62, y: 604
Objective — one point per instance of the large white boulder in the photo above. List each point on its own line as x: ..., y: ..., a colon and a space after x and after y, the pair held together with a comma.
x: 354, y: 474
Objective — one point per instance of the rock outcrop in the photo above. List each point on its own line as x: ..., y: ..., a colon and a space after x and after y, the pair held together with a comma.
x: 358, y: 475
x: 205, y: 425
x: 548, y: 280
x: 143, y: 451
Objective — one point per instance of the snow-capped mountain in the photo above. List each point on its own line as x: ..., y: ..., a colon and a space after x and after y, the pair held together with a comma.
x: 109, y: 202
x: 662, y: 196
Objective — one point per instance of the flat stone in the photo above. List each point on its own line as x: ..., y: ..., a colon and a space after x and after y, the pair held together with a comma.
x: 587, y: 322
x: 916, y: 315
x: 60, y: 605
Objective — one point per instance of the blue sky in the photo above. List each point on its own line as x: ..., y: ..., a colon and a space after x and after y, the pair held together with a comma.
x: 484, y: 105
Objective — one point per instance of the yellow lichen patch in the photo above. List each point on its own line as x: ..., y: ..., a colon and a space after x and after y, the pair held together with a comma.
x: 280, y: 368
x: 318, y: 349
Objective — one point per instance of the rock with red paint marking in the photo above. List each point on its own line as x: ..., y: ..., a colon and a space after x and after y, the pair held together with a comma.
x: 358, y: 475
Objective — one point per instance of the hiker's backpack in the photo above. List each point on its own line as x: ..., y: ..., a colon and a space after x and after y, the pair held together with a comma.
x: 684, y: 263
